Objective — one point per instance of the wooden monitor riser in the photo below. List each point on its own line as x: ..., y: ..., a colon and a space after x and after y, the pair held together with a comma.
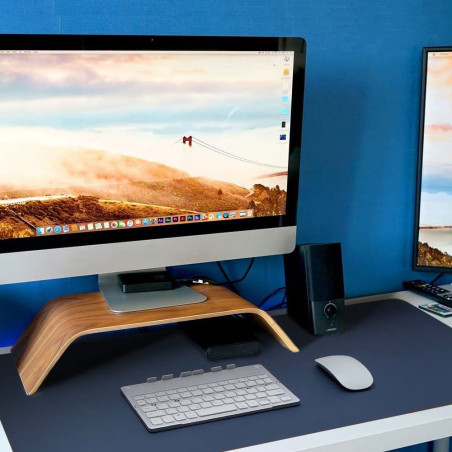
x: 64, y: 319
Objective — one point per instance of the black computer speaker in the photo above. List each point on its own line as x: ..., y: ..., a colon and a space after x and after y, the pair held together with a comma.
x: 315, y: 287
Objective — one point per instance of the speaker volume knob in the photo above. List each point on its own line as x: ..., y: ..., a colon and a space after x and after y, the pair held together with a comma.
x: 330, y: 310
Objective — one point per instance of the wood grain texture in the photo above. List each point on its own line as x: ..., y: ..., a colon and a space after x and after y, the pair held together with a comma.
x: 62, y: 320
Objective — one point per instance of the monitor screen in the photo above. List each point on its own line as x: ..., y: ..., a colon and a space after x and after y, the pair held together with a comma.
x: 433, y: 250
x: 107, y: 139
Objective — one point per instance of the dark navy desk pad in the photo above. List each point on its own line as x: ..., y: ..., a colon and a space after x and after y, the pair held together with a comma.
x: 79, y: 406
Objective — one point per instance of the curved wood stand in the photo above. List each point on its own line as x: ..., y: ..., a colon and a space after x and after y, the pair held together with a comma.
x: 62, y: 320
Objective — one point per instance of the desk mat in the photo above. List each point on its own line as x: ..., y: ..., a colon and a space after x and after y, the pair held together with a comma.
x: 79, y: 406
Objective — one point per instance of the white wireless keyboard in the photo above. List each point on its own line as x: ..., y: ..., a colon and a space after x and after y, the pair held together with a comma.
x: 197, y: 397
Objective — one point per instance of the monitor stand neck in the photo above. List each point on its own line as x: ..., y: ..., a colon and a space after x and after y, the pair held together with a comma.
x: 118, y: 301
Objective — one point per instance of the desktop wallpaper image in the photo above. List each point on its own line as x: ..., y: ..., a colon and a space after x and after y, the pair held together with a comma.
x: 435, y: 224
x: 101, y: 137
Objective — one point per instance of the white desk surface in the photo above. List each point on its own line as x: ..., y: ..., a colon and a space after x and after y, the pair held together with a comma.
x: 383, y: 434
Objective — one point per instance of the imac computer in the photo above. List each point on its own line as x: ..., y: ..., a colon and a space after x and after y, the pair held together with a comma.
x: 433, y: 224
x: 122, y: 153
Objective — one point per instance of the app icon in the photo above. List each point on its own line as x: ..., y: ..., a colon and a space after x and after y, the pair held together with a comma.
x: 65, y: 228
x: 106, y: 225
x: 286, y: 71
x: 282, y: 137
x: 189, y: 217
x: 138, y: 222
x: 130, y: 223
x: 152, y: 220
x: 242, y: 213
x: 232, y: 215
x: 82, y: 227
x: 74, y: 228
x: 285, y: 98
x: 250, y: 213
x: 225, y: 215
x: 183, y: 218
x: 145, y: 222
x: 160, y: 220
x: 203, y: 217
x: 218, y: 215
x: 175, y: 219
x: 121, y: 224
x: 197, y: 217
x: 167, y: 219
x: 40, y: 231
x: 211, y: 216
x: 283, y: 124
x: 285, y: 86
x: 284, y: 111
x: 57, y: 229
x: 114, y: 224
x: 98, y: 225
x: 90, y: 226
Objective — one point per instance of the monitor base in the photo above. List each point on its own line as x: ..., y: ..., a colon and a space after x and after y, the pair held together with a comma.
x: 119, y: 301
x: 64, y: 319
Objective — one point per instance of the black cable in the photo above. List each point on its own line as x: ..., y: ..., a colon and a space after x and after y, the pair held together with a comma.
x: 437, y: 278
x: 231, y: 283
x: 270, y: 295
x: 201, y: 279
x: 280, y: 305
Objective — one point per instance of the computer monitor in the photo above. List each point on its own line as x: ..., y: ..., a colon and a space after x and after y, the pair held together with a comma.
x: 433, y: 225
x: 120, y: 153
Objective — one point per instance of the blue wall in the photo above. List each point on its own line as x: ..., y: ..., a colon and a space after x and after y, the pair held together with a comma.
x: 360, y: 124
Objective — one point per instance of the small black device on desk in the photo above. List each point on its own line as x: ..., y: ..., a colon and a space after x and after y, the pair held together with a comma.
x: 224, y: 337
x: 432, y: 291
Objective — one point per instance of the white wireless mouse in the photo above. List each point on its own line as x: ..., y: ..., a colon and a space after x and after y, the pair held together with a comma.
x: 348, y: 371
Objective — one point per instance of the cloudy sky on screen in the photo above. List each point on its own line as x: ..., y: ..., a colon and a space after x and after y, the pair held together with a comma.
x: 142, y: 105
x: 436, y: 198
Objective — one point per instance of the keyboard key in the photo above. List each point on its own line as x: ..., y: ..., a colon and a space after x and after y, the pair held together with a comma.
x: 241, y: 392
x: 241, y: 405
x: 185, y: 394
x: 208, y: 391
x: 160, y: 393
x: 218, y: 389
x: 228, y: 400
x: 275, y: 392
x: 272, y: 386
x: 183, y: 409
x: 216, y: 410
x: 163, y: 399
x: 149, y: 408
x: 185, y: 402
x: 286, y: 399
x: 219, y: 396
x: 206, y: 404
x: 141, y: 402
x: 174, y: 396
x: 264, y: 402
x: 229, y: 387
x: 156, y: 421
x: 197, y: 392
x: 180, y: 417
x: 158, y: 413
x: 196, y: 400
x: 274, y: 399
x: 162, y: 406
x: 208, y: 398
x: 174, y: 404
x: 195, y: 406
x: 151, y: 400
x: 252, y: 403
x: 217, y: 402
x: 168, y: 419
x: 171, y: 391
x: 250, y: 397
x: 191, y: 415
x: 240, y: 385
x: 239, y: 398
x: 230, y: 394
x: 140, y: 397
x: 171, y: 411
